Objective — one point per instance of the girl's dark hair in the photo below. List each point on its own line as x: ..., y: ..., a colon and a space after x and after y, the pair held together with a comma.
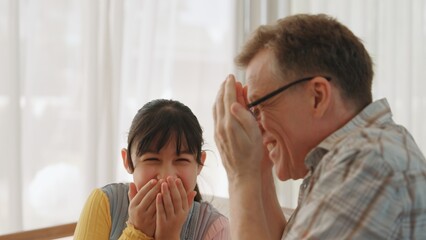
x: 160, y: 120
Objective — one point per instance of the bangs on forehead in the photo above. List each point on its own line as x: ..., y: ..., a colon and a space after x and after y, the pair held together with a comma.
x: 156, y: 139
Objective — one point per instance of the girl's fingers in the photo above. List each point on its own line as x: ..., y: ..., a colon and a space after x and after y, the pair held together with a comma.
x: 160, y: 213
x: 145, y: 197
x: 167, y: 201
x: 132, y: 191
x: 149, y: 198
x: 183, y: 194
x: 137, y: 198
x: 174, y: 193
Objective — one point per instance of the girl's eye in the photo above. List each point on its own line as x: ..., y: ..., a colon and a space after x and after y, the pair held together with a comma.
x: 151, y: 159
x: 182, y: 160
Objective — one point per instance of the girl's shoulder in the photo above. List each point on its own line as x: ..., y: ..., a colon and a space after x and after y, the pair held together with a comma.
x: 118, y: 203
x: 209, y: 221
x: 207, y: 209
x: 114, y: 189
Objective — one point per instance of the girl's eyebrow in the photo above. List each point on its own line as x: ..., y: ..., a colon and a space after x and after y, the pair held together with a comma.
x: 180, y: 152
x: 186, y: 152
x: 150, y: 151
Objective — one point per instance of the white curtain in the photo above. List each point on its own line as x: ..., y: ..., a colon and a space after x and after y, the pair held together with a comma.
x: 74, y: 73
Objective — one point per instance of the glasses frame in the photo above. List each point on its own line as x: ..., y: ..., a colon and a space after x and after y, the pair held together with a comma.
x: 280, y: 90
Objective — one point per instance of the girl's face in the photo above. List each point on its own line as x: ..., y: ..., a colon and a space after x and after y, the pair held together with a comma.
x: 153, y: 165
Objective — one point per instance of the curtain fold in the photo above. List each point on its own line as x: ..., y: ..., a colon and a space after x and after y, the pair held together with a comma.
x: 74, y: 73
x: 10, y: 116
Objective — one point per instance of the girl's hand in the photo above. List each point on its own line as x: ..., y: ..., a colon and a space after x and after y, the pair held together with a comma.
x: 173, y: 205
x: 142, y: 209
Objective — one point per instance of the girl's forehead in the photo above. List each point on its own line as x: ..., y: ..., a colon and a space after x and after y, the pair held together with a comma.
x: 157, y: 144
x: 172, y: 143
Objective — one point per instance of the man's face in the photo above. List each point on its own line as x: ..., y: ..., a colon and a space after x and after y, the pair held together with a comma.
x: 283, y: 119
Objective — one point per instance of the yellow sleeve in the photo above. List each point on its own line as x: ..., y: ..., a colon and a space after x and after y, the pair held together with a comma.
x: 130, y: 233
x: 95, y: 219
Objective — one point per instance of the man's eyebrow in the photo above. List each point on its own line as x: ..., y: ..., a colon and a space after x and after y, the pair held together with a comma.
x: 254, y: 96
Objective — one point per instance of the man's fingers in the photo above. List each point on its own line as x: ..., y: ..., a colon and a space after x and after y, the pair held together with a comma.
x: 218, y: 110
x: 240, y: 93
x: 230, y: 93
x: 245, y: 119
x: 245, y: 89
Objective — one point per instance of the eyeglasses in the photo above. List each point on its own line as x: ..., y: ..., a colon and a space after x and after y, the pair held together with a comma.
x: 277, y: 91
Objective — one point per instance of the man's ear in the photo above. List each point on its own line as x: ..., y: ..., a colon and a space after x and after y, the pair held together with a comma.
x: 202, y: 159
x: 321, y: 96
x: 124, y: 156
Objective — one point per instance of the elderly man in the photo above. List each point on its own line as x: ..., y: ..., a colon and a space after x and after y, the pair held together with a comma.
x: 307, y: 110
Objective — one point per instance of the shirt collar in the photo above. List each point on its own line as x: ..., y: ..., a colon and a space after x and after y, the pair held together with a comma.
x: 375, y: 113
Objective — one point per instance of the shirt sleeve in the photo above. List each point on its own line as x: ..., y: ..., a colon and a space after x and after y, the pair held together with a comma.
x: 131, y: 233
x: 95, y: 219
x: 218, y: 230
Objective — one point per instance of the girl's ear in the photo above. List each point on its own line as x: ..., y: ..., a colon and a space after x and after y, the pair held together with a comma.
x: 202, y: 159
x: 124, y: 156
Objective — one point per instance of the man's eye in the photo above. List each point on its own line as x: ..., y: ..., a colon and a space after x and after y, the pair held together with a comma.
x: 256, y: 112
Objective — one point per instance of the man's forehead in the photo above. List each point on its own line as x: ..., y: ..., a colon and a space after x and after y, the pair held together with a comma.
x: 259, y: 77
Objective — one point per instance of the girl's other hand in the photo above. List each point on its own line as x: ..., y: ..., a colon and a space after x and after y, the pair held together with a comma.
x: 173, y: 205
x: 142, y: 209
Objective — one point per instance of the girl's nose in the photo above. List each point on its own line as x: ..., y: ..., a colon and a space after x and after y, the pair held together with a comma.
x: 166, y: 172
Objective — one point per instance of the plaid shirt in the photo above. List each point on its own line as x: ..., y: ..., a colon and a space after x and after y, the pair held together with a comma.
x: 367, y: 181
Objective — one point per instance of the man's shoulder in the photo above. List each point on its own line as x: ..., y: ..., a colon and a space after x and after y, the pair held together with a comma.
x: 390, y: 146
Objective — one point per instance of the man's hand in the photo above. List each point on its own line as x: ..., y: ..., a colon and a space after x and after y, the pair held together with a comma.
x: 237, y: 134
x: 239, y: 140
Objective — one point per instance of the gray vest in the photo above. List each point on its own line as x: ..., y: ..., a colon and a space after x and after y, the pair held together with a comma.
x: 201, y: 215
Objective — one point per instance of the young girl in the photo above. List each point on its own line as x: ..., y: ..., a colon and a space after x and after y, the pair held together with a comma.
x: 164, y: 155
